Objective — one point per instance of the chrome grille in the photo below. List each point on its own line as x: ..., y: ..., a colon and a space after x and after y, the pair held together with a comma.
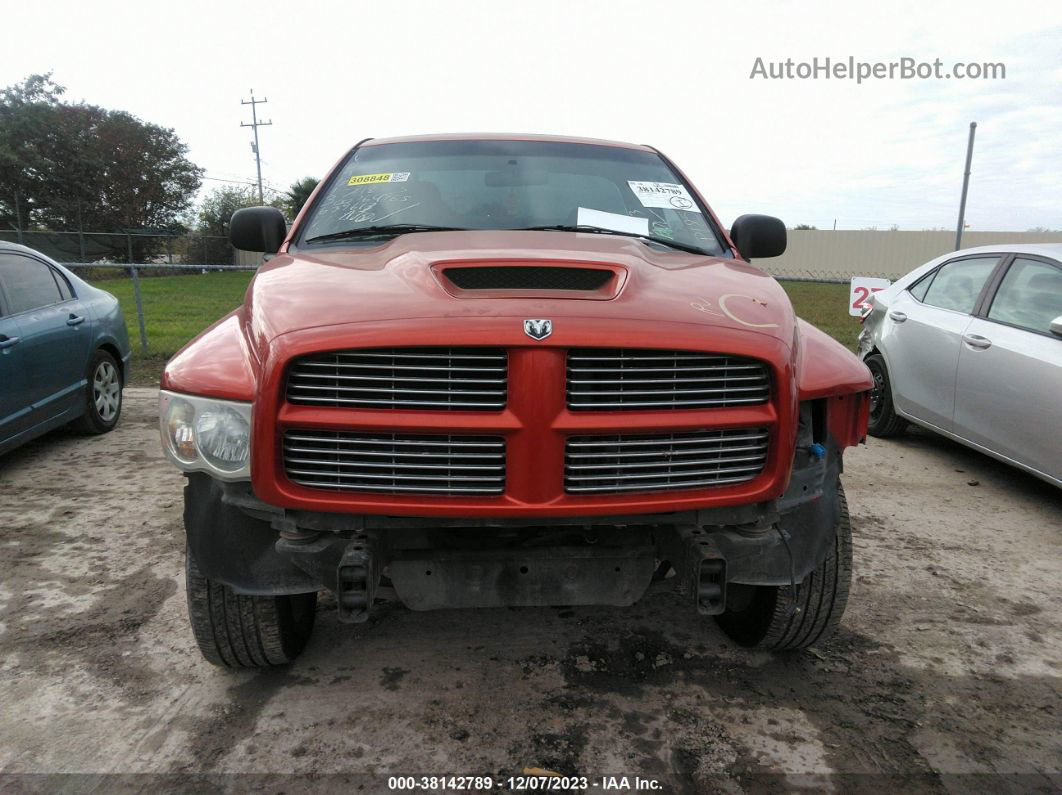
x: 457, y: 379
x: 609, y: 379
x: 599, y: 464
x: 395, y: 463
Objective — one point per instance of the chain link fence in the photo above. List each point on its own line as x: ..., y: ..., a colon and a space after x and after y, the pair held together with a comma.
x: 138, y: 247
x: 171, y: 311
x: 127, y: 264
x: 168, y: 311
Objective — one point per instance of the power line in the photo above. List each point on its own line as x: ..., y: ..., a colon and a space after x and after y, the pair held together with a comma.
x: 266, y: 182
x: 231, y: 181
x: 255, y: 124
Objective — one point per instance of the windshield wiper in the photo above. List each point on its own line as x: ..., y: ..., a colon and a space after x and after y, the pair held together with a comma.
x: 381, y: 231
x: 601, y: 230
x: 392, y: 230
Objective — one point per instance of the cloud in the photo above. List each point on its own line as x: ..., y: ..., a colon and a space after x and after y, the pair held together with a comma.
x: 675, y: 75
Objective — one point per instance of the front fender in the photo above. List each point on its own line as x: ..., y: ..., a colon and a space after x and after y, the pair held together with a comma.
x: 218, y: 363
x: 825, y: 368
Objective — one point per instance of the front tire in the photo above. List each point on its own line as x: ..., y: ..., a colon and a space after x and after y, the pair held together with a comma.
x: 103, y: 395
x: 762, y: 615
x: 884, y: 422
x: 237, y: 631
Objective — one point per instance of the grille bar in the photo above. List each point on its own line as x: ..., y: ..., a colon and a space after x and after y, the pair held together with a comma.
x: 488, y: 442
x: 691, y: 484
x: 668, y: 380
x: 374, y: 365
x: 677, y: 368
x: 655, y: 441
x: 640, y: 465
x: 607, y: 380
x: 704, y: 391
x: 455, y: 379
x: 370, y: 453
x: 395, y: 463
x: 667, y: 462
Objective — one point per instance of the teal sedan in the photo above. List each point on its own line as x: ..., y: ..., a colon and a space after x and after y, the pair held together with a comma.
x: 64, y: 350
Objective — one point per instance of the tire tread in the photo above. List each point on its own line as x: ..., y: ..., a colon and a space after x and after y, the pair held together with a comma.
x: 238, y: 631
x: 890, y: 424
x: 821, y: 600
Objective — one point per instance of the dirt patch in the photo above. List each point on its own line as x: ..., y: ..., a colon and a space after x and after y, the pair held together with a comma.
x: 945, y: 675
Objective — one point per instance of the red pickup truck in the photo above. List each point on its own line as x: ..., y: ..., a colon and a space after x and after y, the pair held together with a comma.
x: 492, y: 370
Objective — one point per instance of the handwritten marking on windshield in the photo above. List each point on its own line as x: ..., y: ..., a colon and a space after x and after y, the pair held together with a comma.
x: 368, y: 207
x: 367, y: 217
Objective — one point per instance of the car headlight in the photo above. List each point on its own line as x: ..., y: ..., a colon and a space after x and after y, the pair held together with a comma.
x: 208, y: 435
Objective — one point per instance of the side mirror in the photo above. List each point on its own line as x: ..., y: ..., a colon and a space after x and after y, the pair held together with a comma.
x: 258, y: 229
x: 1056, y: 326
x: 758, y: 236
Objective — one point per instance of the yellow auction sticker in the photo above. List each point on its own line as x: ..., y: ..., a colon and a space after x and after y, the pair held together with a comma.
x: 376, y: 179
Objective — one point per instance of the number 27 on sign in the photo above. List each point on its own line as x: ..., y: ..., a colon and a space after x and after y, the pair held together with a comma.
x: 859, y: 292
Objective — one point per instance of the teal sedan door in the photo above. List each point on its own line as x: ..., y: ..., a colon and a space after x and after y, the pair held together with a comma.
x: 53, y: 345
x: 14, y: 385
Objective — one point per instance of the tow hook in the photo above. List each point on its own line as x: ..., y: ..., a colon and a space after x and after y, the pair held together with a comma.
x: 702, y: 568
x: 358, y: 575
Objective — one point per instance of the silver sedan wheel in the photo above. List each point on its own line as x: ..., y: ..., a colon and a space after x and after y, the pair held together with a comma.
x: 106, y: 391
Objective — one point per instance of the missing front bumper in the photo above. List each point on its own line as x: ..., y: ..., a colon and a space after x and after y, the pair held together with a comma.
x: 257, y: 549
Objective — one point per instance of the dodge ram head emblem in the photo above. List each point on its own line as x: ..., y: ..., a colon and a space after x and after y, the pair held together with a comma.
x: 538, y: 329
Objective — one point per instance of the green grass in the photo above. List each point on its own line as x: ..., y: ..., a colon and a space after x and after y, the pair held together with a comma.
x: 176, y: 308
x: 825, y: 306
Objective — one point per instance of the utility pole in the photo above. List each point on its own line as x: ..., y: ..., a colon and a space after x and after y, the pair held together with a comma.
x: 255, y: 124
x: 965, y: 186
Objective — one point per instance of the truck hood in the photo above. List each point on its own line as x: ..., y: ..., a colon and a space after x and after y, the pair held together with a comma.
x: 402, y: 279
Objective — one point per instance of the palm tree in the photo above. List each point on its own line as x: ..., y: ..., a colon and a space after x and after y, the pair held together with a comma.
x: 298, y: 193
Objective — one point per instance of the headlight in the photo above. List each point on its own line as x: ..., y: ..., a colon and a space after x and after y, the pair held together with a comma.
x: 203, y: 434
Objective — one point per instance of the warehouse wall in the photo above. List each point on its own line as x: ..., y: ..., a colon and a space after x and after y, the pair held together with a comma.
x: 842, y: 254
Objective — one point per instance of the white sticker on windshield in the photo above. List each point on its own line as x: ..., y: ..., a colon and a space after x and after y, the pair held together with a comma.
x: 663, y: 194
x: 613, y: 221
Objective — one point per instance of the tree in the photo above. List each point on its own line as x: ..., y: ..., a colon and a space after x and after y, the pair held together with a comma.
x: 25, y: 111
x: 80, y: 166
x: 215, y: 212
x: 802, y: 227
x: 217, y: 207
x: 297, y: 195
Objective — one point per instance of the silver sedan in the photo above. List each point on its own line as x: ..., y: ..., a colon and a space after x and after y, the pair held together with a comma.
x: 970, y: 345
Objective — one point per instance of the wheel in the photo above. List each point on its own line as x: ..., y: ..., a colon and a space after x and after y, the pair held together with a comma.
x: 883, y: 419
x: 103, y: 395
x: 236, y: 631
x: 762, y: 616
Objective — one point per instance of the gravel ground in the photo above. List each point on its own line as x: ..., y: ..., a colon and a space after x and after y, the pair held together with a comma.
x: 946, y: 674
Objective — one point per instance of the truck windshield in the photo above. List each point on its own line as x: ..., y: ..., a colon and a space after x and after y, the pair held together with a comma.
x: 510, y: 185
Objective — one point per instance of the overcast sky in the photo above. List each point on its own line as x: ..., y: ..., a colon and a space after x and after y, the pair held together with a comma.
x: 672, y: 74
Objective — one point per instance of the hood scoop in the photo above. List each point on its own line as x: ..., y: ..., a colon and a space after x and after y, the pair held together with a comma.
x: 531, y: 279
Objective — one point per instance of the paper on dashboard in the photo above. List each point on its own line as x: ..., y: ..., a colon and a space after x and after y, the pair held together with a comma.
x: 613, y: 221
